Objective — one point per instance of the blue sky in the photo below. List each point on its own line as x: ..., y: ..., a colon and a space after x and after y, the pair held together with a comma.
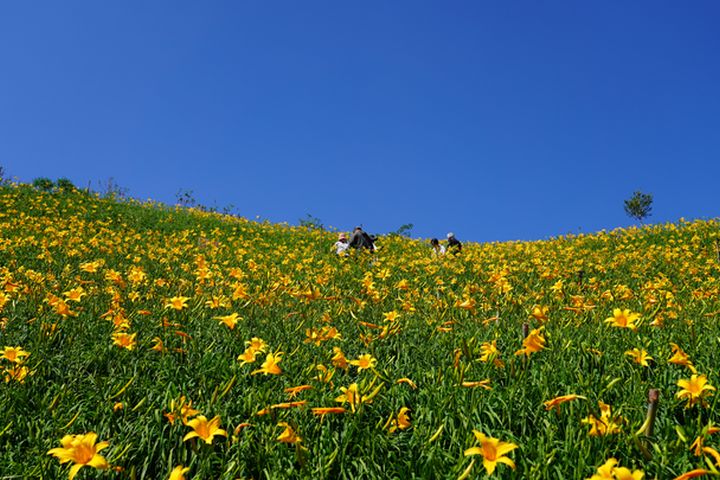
x: 496, y: 120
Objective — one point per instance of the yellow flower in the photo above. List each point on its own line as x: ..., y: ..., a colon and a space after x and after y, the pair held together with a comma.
x: 639, y: 356
x: 204, y: 429
x: 124, y: 340
x: 492, y: 450
x: 288, y: 435
x: 82, y: 451
x: 339, y: 359
x: 605, y: 425
x: 606, y: 470
x: 533, y: 343
x: 407, y: 381
x: 14, y: 354
x: 557, y: 401
x: 352, y: 396
x: 402, y: 422
x: 623, y: 319
x: 229, y: 320
x: 159, y: 345
x: 270, y: 365
x: 177, y: 303
x: 623, y: 473
x: 609, y: 471
x: 17, y: 373
x: 479, y: 383
x: 694, y: 389
x: 679, y: 357
x: 178, y: 473
x: 391, y: 316
x: 248, y: 356
x: 257, y: 344
x: 540, y: 313
x: 75, y: 294
x: 182, y: 410
x: 364, y: 362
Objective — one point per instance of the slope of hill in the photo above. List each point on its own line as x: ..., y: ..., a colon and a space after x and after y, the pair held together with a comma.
x: 136, y: 321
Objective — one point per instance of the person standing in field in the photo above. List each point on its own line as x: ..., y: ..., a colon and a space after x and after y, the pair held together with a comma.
x: 360, y: 239
x: 454, y: 244
x: 438, y: 250
x: 341, y: 245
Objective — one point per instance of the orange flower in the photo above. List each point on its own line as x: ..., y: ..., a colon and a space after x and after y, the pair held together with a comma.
x: 293, y: 391
x: 557, y: 401
x: 339, y: 359
x: 533, y: 343
x: 327, y: 410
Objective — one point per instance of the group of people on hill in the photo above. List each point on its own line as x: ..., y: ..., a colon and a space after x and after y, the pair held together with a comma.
x: 362, y: 240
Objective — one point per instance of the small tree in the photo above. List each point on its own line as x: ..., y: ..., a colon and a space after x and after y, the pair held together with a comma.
x: 405, y: 230
x: 65, y: 185
x: 311, y: 223
x: 639, y: 206
x: 43, y: 184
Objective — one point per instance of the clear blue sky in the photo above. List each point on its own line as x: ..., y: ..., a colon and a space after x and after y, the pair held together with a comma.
x: 496, y: 120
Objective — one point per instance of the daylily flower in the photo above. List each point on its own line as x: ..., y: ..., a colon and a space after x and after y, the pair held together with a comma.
x: 694, y: 390
x: 204, y: 429
x: 327, y: 410
x: 124, y: 340
x: 82, y: 451
x: 478, y: 383
x: 14, y: 354
x: 229, y: 320
x: 288, y: 435
x: 609, y: 471
x: 698, y: 472
x: 178, y: 473
x: 364, y: 362
x: 639, y: 356
x: 679, y: 357
x: 270, y: 365
x: 257, y: 344
x: 623, y: 319
x: 540, y: 313
x: 533, y: 343
x: 339, y: 359
x: 182, y: 410
x: 492, y: 450
x: 177, y: 303
x: 401, y: 422
x: 605, y: 425
x: 293, y: 391
x: 248, y: 356
x: 557, y: 401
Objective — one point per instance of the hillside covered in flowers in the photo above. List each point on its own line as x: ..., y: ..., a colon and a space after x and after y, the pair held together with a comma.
x: 147, y: 342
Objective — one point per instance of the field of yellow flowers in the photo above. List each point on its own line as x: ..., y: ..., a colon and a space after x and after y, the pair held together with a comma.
x: 146, y: 342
